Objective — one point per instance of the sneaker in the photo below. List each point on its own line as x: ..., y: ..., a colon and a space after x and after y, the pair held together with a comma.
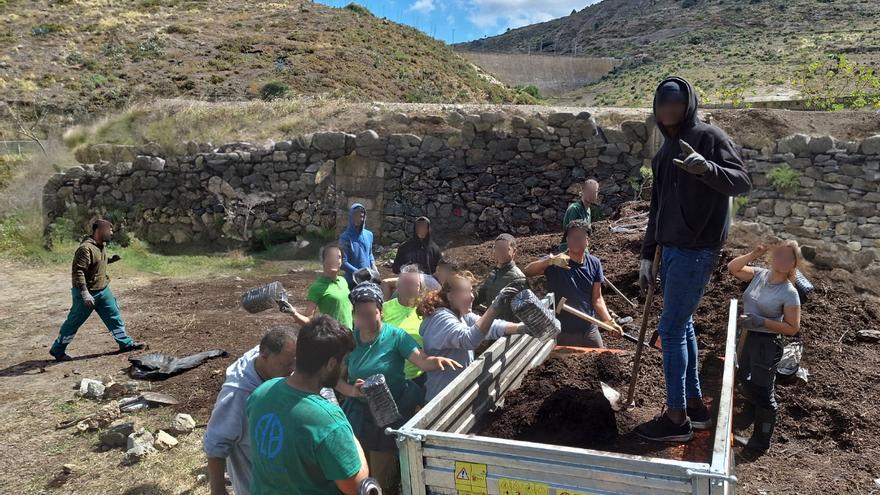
x: 700, y: 417
x: 662, y: 429
x: 134, y: 346
x: 61, y: 357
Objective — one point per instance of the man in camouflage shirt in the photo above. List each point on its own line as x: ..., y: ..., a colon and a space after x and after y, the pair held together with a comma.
x: 91, y: 292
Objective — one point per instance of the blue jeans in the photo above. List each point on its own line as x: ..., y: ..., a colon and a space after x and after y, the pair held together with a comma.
x: 107, y: 309
x: 683, y: 277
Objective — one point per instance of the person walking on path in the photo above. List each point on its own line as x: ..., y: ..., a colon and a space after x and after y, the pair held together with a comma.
x: 226, y: 442
x: 577, y: 276
x: 581, y: 209
x: 505, y: 274
x: 91, y: 292
x: 696, y: 172
x: 420, y: 249
x: 328, y: 294
x: 771, y: 310
x: 356, y: 243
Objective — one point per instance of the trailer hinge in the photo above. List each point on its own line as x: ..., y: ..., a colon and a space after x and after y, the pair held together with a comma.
x: 401, y: 435
x: 718, y: 477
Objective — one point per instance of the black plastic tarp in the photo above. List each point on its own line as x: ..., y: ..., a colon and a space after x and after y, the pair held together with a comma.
x: 162, y: 366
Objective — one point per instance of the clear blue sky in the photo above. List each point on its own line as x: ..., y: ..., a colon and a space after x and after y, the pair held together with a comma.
x: 465, y: 20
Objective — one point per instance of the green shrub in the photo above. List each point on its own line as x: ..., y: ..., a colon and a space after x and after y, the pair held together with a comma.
x: 784, y: 178
x: 529, y: 89
x: 358, y: 9
x: 152, y: 47
x: 274, y: 90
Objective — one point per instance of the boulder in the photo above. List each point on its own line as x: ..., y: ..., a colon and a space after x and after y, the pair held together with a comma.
x: 798, y: 144
x: 164, y: 441
x: 182, y: 424
x: 871, y: 145
x: 117, y: 435
x: 91, y: 389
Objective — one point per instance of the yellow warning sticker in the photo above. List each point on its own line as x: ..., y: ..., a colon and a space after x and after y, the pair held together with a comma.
x: 470, y: 478
x: 508, y: 486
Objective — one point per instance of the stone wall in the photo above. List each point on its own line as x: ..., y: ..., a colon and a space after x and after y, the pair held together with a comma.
x: 477, y: 174
x: 834, y: 206
x: 473, y: 175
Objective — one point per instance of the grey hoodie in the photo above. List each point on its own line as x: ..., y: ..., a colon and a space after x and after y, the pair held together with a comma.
x: 227, y: 433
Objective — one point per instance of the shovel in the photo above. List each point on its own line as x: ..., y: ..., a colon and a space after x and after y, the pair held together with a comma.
x: 637, y: 361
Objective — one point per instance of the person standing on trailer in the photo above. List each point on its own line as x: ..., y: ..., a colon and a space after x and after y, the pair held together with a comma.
x: 576, y: 276
x: 356, y: 243
x: 771, y: 310
x: 91, y: 292
x: 696, y: 172
x: 400, y: 312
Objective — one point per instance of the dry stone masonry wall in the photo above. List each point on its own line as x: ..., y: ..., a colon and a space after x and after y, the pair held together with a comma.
x: 473, y: 174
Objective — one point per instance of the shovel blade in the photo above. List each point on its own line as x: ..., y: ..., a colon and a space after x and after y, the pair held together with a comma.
x: 612, y: 395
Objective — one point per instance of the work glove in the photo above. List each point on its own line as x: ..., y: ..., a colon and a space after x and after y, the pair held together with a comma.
x: 561, y: 260
x: 752, y: 320
x: 646, y: 274
x: 286, y: 307
x: 114, y: 259
x: 502, y: 300
x: 693, y: 163
x: 87, y: 298
x: 618, y: 330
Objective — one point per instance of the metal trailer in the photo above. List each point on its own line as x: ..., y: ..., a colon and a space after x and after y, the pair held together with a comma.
x: 438, y: 453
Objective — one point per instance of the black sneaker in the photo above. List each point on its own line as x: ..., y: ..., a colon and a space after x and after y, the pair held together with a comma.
x: 61, y: 357
x: 662, y: 429
x: 700, y: 417
x: 134, y: 346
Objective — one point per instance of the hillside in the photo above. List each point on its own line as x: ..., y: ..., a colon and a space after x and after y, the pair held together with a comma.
x: 728, y: 48
x: 83, y: 58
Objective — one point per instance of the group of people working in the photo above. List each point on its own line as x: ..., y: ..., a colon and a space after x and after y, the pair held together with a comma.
x: 276, y: 428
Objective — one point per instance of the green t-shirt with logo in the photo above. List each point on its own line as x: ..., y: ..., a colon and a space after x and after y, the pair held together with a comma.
x: 406, y: 318
x: 331, y: 296
x: 300, y: 442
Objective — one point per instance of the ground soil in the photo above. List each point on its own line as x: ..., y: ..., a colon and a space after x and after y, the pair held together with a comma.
x: 828, y: 439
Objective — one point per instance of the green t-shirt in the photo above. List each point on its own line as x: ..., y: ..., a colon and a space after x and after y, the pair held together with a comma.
x: 575, y: 211
x: 386, y: 355
x: 300, y: 442
x: 406, y: 318
x: 331, y: 296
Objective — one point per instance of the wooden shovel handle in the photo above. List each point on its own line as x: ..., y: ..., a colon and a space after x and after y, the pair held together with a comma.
x: 580, y: 314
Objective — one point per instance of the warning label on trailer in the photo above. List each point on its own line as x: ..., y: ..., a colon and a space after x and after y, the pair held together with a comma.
x: 508, y: 486
x: 470, y: 478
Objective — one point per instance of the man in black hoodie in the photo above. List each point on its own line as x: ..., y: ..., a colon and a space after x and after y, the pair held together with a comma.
x: 696, y: 172
x: 419, y: 249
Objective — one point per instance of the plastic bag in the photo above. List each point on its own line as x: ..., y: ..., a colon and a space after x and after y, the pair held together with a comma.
x: 263, y: 298
x: 380, y: 400
x: 539, y: 319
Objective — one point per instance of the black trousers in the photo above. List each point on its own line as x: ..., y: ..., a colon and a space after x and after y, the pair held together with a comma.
x: 757, y: 368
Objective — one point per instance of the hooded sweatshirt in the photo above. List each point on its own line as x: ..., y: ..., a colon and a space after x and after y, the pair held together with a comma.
x: 356, y: 243
x: 690, y: 211
x: 423, y: 252
x: 227, y: 432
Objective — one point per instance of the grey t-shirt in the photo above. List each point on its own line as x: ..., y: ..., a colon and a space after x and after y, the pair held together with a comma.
x: 768, y: 300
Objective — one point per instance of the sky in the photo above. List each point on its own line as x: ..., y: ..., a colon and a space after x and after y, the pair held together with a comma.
x: 454, y: 21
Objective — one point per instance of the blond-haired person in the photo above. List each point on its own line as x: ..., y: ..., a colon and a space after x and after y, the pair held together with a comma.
x: 771, y: 309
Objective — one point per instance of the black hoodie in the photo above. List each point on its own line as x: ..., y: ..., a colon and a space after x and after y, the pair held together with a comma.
x: 690, y: 211
x: 423, y: 252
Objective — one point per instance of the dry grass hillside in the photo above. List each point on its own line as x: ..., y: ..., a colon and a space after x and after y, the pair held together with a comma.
x: 729, y: 48
x: 82, y: 58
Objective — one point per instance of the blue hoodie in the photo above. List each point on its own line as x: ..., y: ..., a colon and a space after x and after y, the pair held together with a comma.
x: 356, y: 243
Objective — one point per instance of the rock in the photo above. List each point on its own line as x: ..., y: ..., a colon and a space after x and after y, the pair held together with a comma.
x: 68, y: 468
x: 149, y: 163
x: 117, y: 435
x: 871, y: 145
x: 140, y: 438
x: 91, y: 389
x: 137, y: 454
x: 164, y: 441
x: 182, y: 424
x: 119, y: 390
x: 868, y: 335
x: 821, y: 144
x: 799, y: 144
